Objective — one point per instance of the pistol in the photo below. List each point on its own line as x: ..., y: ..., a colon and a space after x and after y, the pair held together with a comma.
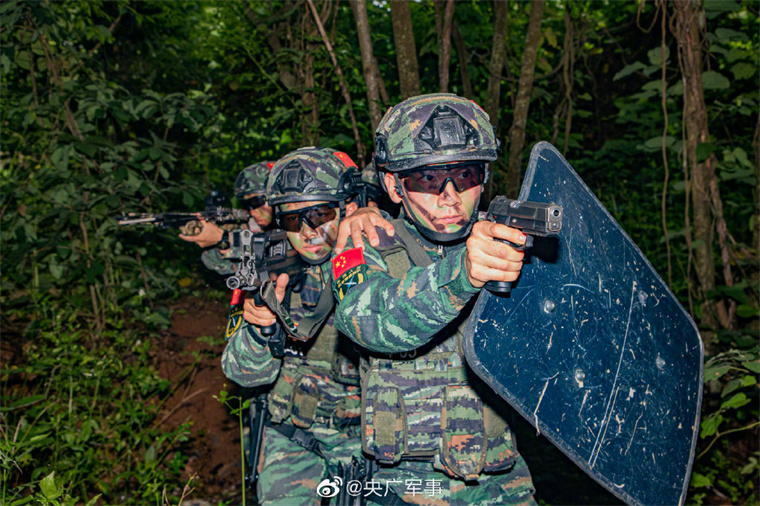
x: 532, y: 218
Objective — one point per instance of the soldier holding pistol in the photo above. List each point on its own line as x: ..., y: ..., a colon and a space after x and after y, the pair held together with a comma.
x: 425, y: 417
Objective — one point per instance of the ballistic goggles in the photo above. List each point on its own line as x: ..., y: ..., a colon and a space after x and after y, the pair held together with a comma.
x: 434, y: 180
x: 254, y: 202
x: 313, y: 216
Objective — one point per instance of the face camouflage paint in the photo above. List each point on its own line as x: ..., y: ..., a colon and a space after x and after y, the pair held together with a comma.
x: 447, y: 212
x: 312, y: 229
x: 260, y: 212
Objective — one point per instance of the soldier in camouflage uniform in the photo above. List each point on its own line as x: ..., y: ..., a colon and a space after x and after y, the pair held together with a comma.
x: 315, y: 402
x: 220, y: 245
x: 428, y: 422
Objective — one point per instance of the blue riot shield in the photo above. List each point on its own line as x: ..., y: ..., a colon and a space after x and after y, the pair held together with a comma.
x: 593, y: 349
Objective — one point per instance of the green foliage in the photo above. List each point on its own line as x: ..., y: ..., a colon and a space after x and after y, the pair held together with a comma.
x: 735, y: 375
x: 237, y: 406
x: 112, y: 106
x: 82, y: 148
x: 79, y: 419
x: 79, y: 147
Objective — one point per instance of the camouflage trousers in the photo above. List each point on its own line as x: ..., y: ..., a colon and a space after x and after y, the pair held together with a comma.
x: 417, y: 482
x: 289, y: 473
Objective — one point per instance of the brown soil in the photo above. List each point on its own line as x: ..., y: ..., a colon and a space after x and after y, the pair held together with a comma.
x: 194, y: 370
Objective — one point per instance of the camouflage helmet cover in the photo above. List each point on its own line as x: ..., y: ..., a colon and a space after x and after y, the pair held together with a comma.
x: 432, y: 129
x: 252, y: 181
x: 312, y: 174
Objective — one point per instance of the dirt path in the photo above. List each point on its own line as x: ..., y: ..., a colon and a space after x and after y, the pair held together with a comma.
x: 189, y: 357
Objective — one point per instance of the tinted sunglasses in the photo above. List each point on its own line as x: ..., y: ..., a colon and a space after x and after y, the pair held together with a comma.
x: 313, y: 216
x: 434, y: 181
x: 254, y: 202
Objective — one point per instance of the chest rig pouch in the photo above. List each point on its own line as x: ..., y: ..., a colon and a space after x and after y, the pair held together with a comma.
x: 421, y: 405
x: 317, y: 384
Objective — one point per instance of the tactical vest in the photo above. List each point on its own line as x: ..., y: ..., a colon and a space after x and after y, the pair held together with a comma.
x: 421, y: 405
x: 319, y: 385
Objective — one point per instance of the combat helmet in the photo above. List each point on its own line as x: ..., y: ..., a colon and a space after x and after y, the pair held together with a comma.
x: 434, y: 130
x: 252, y: 181
x: 311, y: 174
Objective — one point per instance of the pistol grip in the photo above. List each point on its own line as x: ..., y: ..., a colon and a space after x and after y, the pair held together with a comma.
x: 505, y: 287
x: 519, y: 247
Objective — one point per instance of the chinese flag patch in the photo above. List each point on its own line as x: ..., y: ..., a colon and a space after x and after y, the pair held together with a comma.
x: 347, y: 161
x: 346, y: 260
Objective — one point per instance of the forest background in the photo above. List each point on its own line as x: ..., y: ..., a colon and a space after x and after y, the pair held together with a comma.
x: 112, y: 106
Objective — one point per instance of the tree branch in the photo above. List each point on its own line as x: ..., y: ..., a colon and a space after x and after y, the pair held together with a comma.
x: 341, y: 81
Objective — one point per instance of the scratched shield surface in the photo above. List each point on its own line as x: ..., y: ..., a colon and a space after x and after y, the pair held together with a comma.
x: 593, y: 349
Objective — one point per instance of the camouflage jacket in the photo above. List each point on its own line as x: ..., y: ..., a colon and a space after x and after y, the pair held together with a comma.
x: 389, y: 315
x: 418, y: 399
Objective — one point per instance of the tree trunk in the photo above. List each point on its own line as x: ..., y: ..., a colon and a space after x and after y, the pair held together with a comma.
x: 341, y: 80
x: 498, y: 60
x: 444, y: 15
x: 310, y: 120
x: 568, y: 72
x: 706, y: 202
x: 359, y: 8
x: 756, y: 148
x: 522, y: 102
x: 406, y: 51
x: 463, y: 58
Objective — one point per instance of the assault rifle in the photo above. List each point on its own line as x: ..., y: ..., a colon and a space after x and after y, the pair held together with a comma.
x: 262, y: 255
x: 217, y: 210
x: 533, y: 218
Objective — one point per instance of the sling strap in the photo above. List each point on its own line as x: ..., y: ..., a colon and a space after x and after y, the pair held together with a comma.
x: 413, y: 248
x: 307, y: 327
x: 300, y: 437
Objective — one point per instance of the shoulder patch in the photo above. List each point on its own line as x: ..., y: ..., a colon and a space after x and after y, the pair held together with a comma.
x: 352, y: 277
x: 349, y: 269
x: 234, y: 321
x: 346, y: 260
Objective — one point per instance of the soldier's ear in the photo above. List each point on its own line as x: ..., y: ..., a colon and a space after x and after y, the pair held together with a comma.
x: 390, y: 185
